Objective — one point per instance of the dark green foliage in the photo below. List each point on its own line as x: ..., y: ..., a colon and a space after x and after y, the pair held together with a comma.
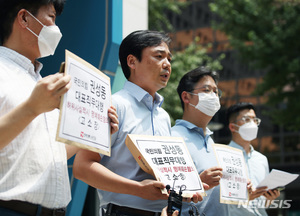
x: 266, y: 34
x: 158, y: 9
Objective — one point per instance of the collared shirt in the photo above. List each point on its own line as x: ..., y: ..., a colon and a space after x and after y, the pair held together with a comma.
x: 33, y: 167
x: 138, y: 114
x: 258, y: 169
x: 201, y: 151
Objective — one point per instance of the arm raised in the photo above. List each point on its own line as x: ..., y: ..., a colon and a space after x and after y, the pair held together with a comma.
x: 44, y: 97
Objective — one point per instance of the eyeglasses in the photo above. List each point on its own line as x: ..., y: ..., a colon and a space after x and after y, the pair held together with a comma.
x: 209, y: 89
x: 247, y: 119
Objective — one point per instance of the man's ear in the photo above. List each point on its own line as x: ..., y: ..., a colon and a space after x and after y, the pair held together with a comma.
x: 131, y: 60
x: 232, y: 127
x: 22, y: 18
x: 185, y: 97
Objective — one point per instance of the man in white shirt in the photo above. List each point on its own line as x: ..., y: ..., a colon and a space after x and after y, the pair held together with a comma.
x: 33, y: 166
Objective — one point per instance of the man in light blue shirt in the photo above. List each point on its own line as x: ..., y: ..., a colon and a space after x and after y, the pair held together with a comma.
x: 243, y: 125
x: 123, y: 187
x: 199, y: 97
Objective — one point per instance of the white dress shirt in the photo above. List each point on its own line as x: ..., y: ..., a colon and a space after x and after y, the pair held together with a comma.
x: 33, y: 167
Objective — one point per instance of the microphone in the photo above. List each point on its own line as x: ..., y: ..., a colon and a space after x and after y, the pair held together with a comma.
x: 174, y: 201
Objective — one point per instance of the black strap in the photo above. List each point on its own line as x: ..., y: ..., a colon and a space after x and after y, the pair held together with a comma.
x: 112, y: 209
x: 31, y: 209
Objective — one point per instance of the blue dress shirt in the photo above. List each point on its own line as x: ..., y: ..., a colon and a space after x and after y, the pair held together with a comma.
x: 202, y: 153
x: 138, y: 114
x: 258, y: 169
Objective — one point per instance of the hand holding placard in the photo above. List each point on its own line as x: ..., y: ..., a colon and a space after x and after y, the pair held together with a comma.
x: 168, y: 160
x: 84, y: 120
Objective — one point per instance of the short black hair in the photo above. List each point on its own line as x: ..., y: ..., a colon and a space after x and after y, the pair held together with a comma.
x: 234, y: 110
x: 10, y: 8
x: 191, y: 78
x: 136, y: 42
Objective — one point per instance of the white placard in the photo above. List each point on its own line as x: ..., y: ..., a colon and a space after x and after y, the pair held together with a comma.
x: 233, y: 184
x: 168, y: 159
x: 84, y: 120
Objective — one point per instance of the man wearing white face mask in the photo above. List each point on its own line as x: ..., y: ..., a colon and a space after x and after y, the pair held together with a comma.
x: 33, y: 171
x: 200, y: 101
x: 48, y: 38
x: 33, y: 166
x: 243, y: 125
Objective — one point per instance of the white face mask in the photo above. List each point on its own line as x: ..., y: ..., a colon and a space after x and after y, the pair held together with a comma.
x: 209, y: 103
x: 248, y: 131
x: 48, y: 38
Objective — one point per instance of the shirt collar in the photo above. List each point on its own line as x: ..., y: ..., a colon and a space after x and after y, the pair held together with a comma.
x: 191, y: 126
x: 21, y: 61
x: 139, y: 93
x: 198, y: 130
x: 235, y: 145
